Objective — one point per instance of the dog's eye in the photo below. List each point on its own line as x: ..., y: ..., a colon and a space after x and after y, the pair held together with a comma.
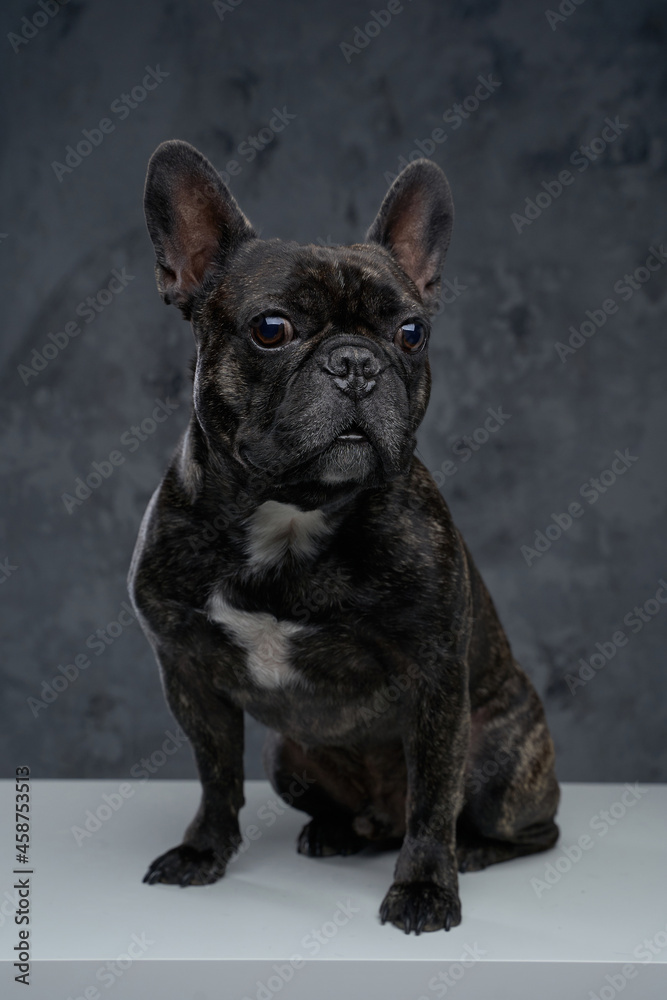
x: 271, y: 331
x: 411, y: 336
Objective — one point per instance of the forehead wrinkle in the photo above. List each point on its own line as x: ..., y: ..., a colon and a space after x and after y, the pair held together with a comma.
x: 350, y: 293
x: 353, y: 280
x: 376, y: 290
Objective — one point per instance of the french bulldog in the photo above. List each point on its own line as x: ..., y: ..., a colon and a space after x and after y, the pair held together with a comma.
x: 395, y: 698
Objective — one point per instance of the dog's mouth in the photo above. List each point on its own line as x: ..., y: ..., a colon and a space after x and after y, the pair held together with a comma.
x: 353, y: 435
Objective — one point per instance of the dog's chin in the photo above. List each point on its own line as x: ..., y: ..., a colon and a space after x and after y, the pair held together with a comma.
x: 355, y: 462
x: 348, y: 463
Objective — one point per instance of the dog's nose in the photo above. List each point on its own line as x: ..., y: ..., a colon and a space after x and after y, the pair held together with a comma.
x: 354, y: 369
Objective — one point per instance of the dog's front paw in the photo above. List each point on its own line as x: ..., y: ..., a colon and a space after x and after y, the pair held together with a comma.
x: 185, y: 865
x: 421, y: 906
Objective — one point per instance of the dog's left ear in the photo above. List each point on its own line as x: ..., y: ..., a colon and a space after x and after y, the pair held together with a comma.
x: 192, y: 218
x: 415, y: 224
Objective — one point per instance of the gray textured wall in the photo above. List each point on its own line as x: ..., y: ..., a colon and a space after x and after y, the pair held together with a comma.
x: 516, y: 294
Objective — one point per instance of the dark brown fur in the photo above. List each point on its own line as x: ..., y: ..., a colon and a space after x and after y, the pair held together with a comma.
x: 411, y: 719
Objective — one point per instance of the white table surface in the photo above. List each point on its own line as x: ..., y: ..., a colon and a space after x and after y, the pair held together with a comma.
x: 583, y: 936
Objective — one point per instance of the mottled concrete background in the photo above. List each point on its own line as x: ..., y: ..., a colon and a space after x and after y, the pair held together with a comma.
x: 516, y: 287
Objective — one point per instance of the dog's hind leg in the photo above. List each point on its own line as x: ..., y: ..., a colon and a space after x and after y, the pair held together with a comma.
x: 337, y: 787
x: 511, y: 792
x: 319, y: 781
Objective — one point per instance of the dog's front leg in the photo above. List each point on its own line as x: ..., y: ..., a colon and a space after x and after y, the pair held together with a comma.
x: 215, y: 729
x: 424, y: 895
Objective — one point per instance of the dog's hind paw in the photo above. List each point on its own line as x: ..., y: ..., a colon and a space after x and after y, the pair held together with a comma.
x: 421, y: 906
x: 322, y: 839
x: 185, y: 865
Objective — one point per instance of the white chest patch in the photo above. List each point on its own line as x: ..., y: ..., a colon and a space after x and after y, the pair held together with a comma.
x: 275, y: 529
x: 265, y: 639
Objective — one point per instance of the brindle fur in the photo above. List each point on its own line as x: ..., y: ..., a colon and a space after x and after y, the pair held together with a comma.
x: 408, y: 685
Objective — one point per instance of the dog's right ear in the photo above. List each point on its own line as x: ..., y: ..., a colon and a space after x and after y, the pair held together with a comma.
x: 415, y: 224
x: 192, y: 218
